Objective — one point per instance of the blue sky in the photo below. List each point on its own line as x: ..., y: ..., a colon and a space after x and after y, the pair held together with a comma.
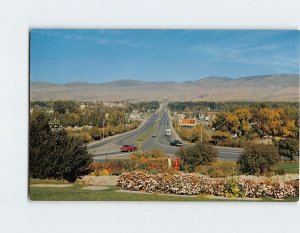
x: 97, y: 56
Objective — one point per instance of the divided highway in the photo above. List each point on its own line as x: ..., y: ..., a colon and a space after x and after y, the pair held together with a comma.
x: 142, y: 137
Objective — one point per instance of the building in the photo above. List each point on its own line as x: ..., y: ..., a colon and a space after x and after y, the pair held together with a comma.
x: 83, y: 106
x: 211, y: 116
x: 188, y: 122
x: 134, y: 116
x: 50, y: 111
x: 113, y: 104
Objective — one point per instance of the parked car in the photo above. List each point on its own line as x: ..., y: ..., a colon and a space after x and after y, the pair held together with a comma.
x: 154, y: 135
x: 176, y: 143
x: 128, y: 148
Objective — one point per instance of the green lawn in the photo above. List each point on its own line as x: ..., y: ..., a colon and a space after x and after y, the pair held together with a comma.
x: 77, y: 194
x: 289, y: 167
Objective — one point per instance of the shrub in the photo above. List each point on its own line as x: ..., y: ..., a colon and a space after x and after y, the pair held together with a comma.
x: 198, y: 154
x: 104, y: 172
x: 183, y: 184
x: 295, y: 184
x: 194, y: 184
x: 233, y: 189
x: 95, y: 133
x: 148, y: 154
x: 258, y: 158
x: 113, y: 167
x: 82, y: 134
x: 220, y: 136
x: 288, y: 148
x: 219, y: 168
x: 55, y: 155
x: 150, y: 160
x: 255, y: 188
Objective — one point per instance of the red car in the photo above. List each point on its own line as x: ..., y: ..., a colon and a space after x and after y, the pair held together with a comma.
x: 128, y: 148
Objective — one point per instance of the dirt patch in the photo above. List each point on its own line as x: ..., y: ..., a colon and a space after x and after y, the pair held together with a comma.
x: 99, y: 180
x: 129, y: 191
x: 96, y: 188
x: 51, y: 185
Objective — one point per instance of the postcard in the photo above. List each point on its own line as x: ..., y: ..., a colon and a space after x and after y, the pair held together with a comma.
x: 163, y: 115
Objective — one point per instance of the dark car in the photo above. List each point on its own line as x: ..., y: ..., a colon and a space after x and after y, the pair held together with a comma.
x: 128, y: 148
x: 176, y: 143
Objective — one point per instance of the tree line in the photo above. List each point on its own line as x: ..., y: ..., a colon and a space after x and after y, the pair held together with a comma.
x: 227, y: 106
x: 259, y: 122
x: 69, y: 113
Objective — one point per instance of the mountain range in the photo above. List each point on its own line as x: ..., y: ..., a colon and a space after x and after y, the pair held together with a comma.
x: 284, y: 87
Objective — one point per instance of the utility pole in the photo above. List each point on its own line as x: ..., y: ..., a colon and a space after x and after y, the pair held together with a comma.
x: 103, y: 128
x: 201, y: 135
x: 201, y: 132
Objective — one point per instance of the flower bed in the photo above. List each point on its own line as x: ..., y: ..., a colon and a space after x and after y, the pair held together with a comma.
x: 194, y: 184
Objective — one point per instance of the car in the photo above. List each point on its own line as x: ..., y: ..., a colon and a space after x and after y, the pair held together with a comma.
x: 168, y: 132
x: 176, y: 143
x: 128, y: 148
x: 154, y: 135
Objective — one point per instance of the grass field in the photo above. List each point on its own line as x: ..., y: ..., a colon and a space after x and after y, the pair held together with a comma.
x: 76, y: 193
x: 289, y: 167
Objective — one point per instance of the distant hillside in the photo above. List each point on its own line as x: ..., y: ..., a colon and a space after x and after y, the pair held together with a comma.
x: 255, y: 88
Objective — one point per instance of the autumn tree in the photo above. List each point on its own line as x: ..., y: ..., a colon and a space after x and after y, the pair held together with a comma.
x: 267, y: 121
x: 69, y: 119
x: 244, y: 116
x: 226, y: 121
x: 289, y: 119
x: 198, y: 133
x: 116, y: 118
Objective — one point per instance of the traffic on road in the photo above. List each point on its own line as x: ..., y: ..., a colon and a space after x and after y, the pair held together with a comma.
x: 162, y: 139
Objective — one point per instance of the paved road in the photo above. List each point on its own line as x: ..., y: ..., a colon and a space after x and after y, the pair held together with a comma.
x: 160, y: 122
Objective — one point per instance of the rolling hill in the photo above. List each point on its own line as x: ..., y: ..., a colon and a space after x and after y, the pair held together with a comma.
x: 254, y: 88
